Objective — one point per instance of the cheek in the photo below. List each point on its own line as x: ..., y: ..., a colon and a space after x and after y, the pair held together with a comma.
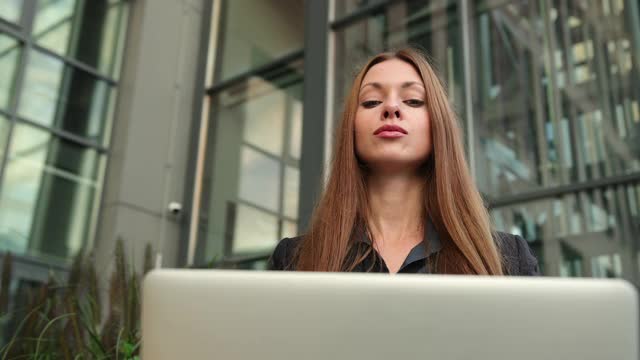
x: 360, y: 130
x: 363, y: 120
x: 425, y: 144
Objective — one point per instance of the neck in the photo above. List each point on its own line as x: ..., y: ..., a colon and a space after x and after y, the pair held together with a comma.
x: 396, y: 202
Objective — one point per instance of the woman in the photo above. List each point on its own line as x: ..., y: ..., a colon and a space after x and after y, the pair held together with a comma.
x: 399, y: 196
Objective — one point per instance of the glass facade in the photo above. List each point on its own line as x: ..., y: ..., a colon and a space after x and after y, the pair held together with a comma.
x: 545, y: 91
x: 251, y: 179
x: 11, y: 10
x: 556, y: 107
x: 59, y: 62
x: 572, y: 233
x: 555, y: 97
x: 255, y: 33
x: 556, y: 127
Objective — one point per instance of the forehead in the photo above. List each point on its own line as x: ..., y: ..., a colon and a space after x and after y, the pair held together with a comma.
x: 394, y: 70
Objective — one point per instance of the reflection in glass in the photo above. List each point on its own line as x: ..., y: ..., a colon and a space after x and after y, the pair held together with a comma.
x: 11, y: 10
x: 295, y: 139
x: 257, y: 32
x: 556, y: 96
x: 9, y: 55
x: 590, y: 233
x: 254, y: 230
x: 431, y: 25
x: 289, y: 229
x: 49, y: 194
x: 264, y: 120
x: 606, y: 266
x: 4, y: 134
x: 65, y: 98
x: 259, y: 179
x: 91, y: 31
x: 291, y: 191
x: 633, y: 196
x: 254, y: 127
x: 346, y: 7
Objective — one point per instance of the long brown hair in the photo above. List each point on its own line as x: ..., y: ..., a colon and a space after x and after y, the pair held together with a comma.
x: 451, y: 201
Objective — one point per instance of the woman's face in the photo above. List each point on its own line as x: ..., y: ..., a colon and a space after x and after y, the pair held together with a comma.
x: 392, y: 123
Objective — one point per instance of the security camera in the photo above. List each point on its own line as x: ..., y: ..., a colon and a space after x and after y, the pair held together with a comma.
x: 175, y: 208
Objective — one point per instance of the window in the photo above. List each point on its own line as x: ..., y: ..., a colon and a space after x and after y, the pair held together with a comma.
x: 252, y: 179
x: 56, y: 107
x: 552, y: 101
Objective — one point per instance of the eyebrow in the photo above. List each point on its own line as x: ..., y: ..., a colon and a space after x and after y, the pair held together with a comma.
x: 404, y: 85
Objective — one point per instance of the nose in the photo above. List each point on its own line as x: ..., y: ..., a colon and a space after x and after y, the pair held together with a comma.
x: 391, y: 110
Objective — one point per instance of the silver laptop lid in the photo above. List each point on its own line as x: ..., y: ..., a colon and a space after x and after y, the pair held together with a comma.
x: 204, y: 314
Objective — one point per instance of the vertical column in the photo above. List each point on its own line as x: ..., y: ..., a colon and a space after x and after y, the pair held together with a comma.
x: 468, y: 101
x: 207, y: 61
x: 316, y: 15
x: 632, y: 12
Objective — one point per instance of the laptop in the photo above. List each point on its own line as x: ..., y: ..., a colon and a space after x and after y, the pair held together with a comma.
x: 230, y: 314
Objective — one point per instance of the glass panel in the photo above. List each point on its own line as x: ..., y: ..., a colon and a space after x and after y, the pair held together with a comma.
x: 295, y: 139
x: 252, y: 131
x: 346, y: 7
x: 633, y: 194
x: 555, y: 96
x: 9, y: 55
x: 49, y: 194
x: 271, y: 105
x: 251, y: 265
x: 4, y: 134
x: 291, y: 191
x: 260, y: 265
x: 606, y: 266
x: 254, y: 230
x: 432, y: 25
x: 89, y: 31
x: 591, y: 233
x: 289, y: 229
x: 257, y: 32
x: 11, y: 10
x: 65, y: 98
x: 259, y: 179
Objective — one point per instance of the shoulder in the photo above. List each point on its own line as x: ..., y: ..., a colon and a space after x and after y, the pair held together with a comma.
x: 282, y: 256
x: 518, y: 257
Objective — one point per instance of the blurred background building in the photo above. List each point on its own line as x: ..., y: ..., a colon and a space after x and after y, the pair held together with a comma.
x: 203, y: 127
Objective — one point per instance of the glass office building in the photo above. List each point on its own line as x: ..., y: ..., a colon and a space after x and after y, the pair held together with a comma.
x: 546, y: 93
x: 59, y: 68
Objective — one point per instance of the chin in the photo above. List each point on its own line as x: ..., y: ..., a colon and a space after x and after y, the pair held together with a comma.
x: 394, y: 163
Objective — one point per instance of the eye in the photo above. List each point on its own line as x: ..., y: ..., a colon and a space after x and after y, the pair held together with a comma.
x: 371, y: 104
x: 414, y: 102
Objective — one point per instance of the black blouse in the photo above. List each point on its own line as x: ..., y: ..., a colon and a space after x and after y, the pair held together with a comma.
x: 519, y: 259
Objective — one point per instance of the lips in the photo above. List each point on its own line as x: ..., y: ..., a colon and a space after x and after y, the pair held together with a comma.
x: 390, y: 129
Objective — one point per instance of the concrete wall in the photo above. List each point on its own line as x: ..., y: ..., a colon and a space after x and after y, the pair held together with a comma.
x: 152, y: 136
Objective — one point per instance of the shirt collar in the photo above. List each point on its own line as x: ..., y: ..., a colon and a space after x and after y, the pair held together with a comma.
x: 431, y: 241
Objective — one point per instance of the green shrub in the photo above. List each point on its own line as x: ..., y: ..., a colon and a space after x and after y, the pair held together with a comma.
x: 65, y: 321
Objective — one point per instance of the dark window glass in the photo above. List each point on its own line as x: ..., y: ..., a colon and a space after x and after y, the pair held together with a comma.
x: 556, y: 98
x: 91, y: 31
x: 59, y: 96
x: 49, y: 195
x: 254, y: 33
x: 590, y: 233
